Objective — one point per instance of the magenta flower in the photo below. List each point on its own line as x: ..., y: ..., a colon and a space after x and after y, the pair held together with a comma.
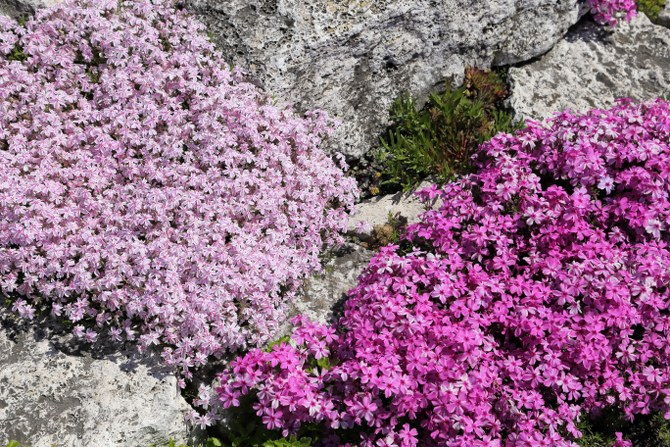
x: 534, y: 296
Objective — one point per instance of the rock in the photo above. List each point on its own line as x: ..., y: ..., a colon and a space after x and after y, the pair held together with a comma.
x: 664, y: 16
x: 592, y: 67
x: 53, y: 395
x: 354, y: 57
x: 324, y: 293
x: 16, y: 8
x: 376, y: 212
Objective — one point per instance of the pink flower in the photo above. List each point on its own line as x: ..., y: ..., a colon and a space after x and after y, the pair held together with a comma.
x: 532, y: 297
x: 149, y: 188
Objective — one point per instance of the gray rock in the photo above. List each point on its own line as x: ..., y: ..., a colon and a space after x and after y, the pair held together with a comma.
x: 354, y: 57
x: 16, y: 8
x: 52, y: 395
x: 375, y: 212
x: 323, y: 294
x: 592, y: 67
x: 664, y: 16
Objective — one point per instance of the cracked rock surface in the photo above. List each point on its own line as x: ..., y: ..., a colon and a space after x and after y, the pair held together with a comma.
x: 592, y: 67
x: 53, y: 394
x: 352, y: 58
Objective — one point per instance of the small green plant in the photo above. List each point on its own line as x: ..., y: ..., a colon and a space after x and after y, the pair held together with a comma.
x: 440, y: 139
x: 652, y: 8
x: 17, y: 54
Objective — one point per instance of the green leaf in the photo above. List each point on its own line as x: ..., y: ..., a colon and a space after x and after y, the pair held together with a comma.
x: 439, y: 140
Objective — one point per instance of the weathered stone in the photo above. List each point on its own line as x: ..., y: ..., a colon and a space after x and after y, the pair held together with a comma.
x: 377, y: 211
x: 51, y: 394
x: 592, y: 67
x: 354, y: 57
x: 323, y: 293
x: 664, y: 16
x: 18, y: 8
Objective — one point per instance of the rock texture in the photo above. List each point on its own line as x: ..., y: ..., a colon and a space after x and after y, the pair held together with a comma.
x: 353, y: 57
x: 323, y: 294
x: 18, y: 8
x: 664, y: 16
x: 375, y: 212
x: 50, y: 396
x: 592, y: 67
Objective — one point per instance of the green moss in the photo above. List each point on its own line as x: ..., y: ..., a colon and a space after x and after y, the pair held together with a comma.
x: 652, y: 8
x: 439, y: 140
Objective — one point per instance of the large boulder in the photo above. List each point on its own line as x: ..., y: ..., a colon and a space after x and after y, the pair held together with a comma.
x: 592, y: 67
x: 53, y: 394
x: 354, y: 57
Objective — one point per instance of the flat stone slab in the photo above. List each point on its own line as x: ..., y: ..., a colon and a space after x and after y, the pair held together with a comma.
x: 592, y: 67
x: 377, y: 211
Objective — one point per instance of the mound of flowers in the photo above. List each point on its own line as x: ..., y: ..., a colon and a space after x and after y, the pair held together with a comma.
x: 536, y: 294
x: 147, y: 188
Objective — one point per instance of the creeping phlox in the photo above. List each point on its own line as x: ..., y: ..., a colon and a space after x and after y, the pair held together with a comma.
x: 148, y: 189
x: 612, y: 12
x: 536, y: 294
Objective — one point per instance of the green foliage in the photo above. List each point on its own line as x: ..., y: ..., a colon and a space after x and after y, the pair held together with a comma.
x: 245, y: 429
x: 644, y: 431
x: 17, y: 54
x: 440, y: 139
x: 276, y: 342
x: 652, y: 8
x: 210, y: 442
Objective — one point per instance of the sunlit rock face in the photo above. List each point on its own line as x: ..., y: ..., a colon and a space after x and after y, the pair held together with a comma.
x: 592, y: 67
x: 353, y: 57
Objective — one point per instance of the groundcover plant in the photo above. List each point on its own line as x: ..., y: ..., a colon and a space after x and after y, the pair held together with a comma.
x: 535, y: 295
x: 612, y: 12
x: 147, y: 188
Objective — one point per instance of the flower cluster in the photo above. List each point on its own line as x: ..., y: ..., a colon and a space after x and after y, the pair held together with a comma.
x: 536, y: 293
x: 148, y: 189
x: 612, y: 12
